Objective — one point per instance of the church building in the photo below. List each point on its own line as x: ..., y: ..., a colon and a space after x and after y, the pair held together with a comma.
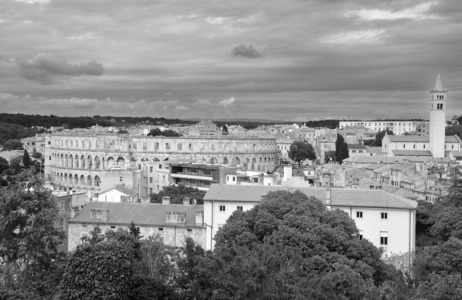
x: 437, y: 144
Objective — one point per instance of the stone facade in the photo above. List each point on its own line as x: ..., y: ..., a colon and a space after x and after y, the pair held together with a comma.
x: 77, y: 160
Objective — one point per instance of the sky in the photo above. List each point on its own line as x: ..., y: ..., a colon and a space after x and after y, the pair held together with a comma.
x: 255, y: 59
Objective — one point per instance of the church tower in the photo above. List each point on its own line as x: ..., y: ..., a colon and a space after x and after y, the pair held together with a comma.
x: 437, y: 118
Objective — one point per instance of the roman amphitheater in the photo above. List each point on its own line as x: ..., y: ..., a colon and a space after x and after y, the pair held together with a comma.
x: 78, y: 159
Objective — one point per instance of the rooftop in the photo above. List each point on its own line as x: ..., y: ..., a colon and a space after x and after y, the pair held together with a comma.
x: 150, y: 214
x: 339, y: 197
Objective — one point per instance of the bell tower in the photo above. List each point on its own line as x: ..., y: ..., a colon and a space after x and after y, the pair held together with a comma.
x: 437, y: 118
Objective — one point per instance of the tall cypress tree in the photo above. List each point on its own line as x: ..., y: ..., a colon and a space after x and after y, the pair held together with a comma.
x: 341, y: 149
x: 26, y: 161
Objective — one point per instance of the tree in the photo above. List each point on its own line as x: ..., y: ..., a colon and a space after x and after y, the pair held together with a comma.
x: 177, y: 193
x: 300, y: 151
x: 454, y: 130
x: 168, y: 132
x: 26, y: 161
x: 12, y: 145
x: 101, y: 268
x: 379, y: 137
x: 4, y: 165
x: 341, y: 149
x: 291, y: 247
x: 29, y: 241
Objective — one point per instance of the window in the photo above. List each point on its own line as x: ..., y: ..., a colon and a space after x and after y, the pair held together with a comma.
x: 61, y: 222
x: 190, y: 230
x: 384, y: 216
x: 121, y: 179
x: 150, y: 169
x: 180, y: 146
x: 150, y: 179
x: 150, y: 190
x: 239, y: 208
x: 112, y: 227
x: 161, y: 229
x: 359, y: 214
x: 360, y: 234
x: 61, y: 205
x: 383, y: 238
x: 222, y: 208
x: 167, y: 146
x: 160, y: 166
x: 156, y: 146
x: 353, y: 151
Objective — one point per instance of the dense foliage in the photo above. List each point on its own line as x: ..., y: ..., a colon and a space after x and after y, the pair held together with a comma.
x: 15, y: 132
x: 177, y: 193
x: 438, y: 264
x: 291, y: 247
x: 454, y: 130
x: 379, y: 137
x: 300, y: 151
x: 341, y: 149
x: 168, y: 132
x: 29, y: 241
x: 12, y: 145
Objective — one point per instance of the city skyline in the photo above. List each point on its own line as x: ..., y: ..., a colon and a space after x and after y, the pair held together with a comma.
x: 295, y: 61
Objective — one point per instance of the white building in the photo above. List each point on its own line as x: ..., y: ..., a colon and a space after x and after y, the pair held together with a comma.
x: 436, y: 144
x: 398, y: 127
x: 386, y: 220
x: 119, y: 193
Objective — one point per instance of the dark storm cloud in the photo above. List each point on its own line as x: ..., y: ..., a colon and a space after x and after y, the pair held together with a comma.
x: 46, y: 67
x: 329, y: 58
x: 248, y: 51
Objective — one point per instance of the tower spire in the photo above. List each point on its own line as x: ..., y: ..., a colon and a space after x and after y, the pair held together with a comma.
x: 438, y: 85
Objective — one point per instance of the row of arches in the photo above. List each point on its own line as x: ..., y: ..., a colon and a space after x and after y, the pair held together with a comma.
x: 88, y: 162
x: 75, y: 179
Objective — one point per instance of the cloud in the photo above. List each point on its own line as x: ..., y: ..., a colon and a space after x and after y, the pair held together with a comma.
x: 227, y: 103
x: 248, y: 51
x: 45, y: 67
x: 355, y: 37
x: 181, y: 107
x: 417, y: 12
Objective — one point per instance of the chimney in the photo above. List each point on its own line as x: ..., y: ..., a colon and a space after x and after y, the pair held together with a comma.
x: 328, y: 198
x: 200, y: 218
x: 165, y: 200
x: 186, y: 201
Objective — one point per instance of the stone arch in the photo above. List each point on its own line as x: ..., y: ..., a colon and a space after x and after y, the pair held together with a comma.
x: 82, y: 180
x: 76, y: 179
x: 97, y: 180
x: 90, y: 162
x: 89, y: 180
x: 166, y: 159
x: 66, y: 161
x: 155, y: 159
x: 144, y: 159
x: 238, y: 161
x: 76, y: 161
x: 109, y: 162
x: 225, y: 161
x: 213, y: 161
x: 82, y: 162
x: 121, y: 162
x: 97, y: 162
x: 65, y: 177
